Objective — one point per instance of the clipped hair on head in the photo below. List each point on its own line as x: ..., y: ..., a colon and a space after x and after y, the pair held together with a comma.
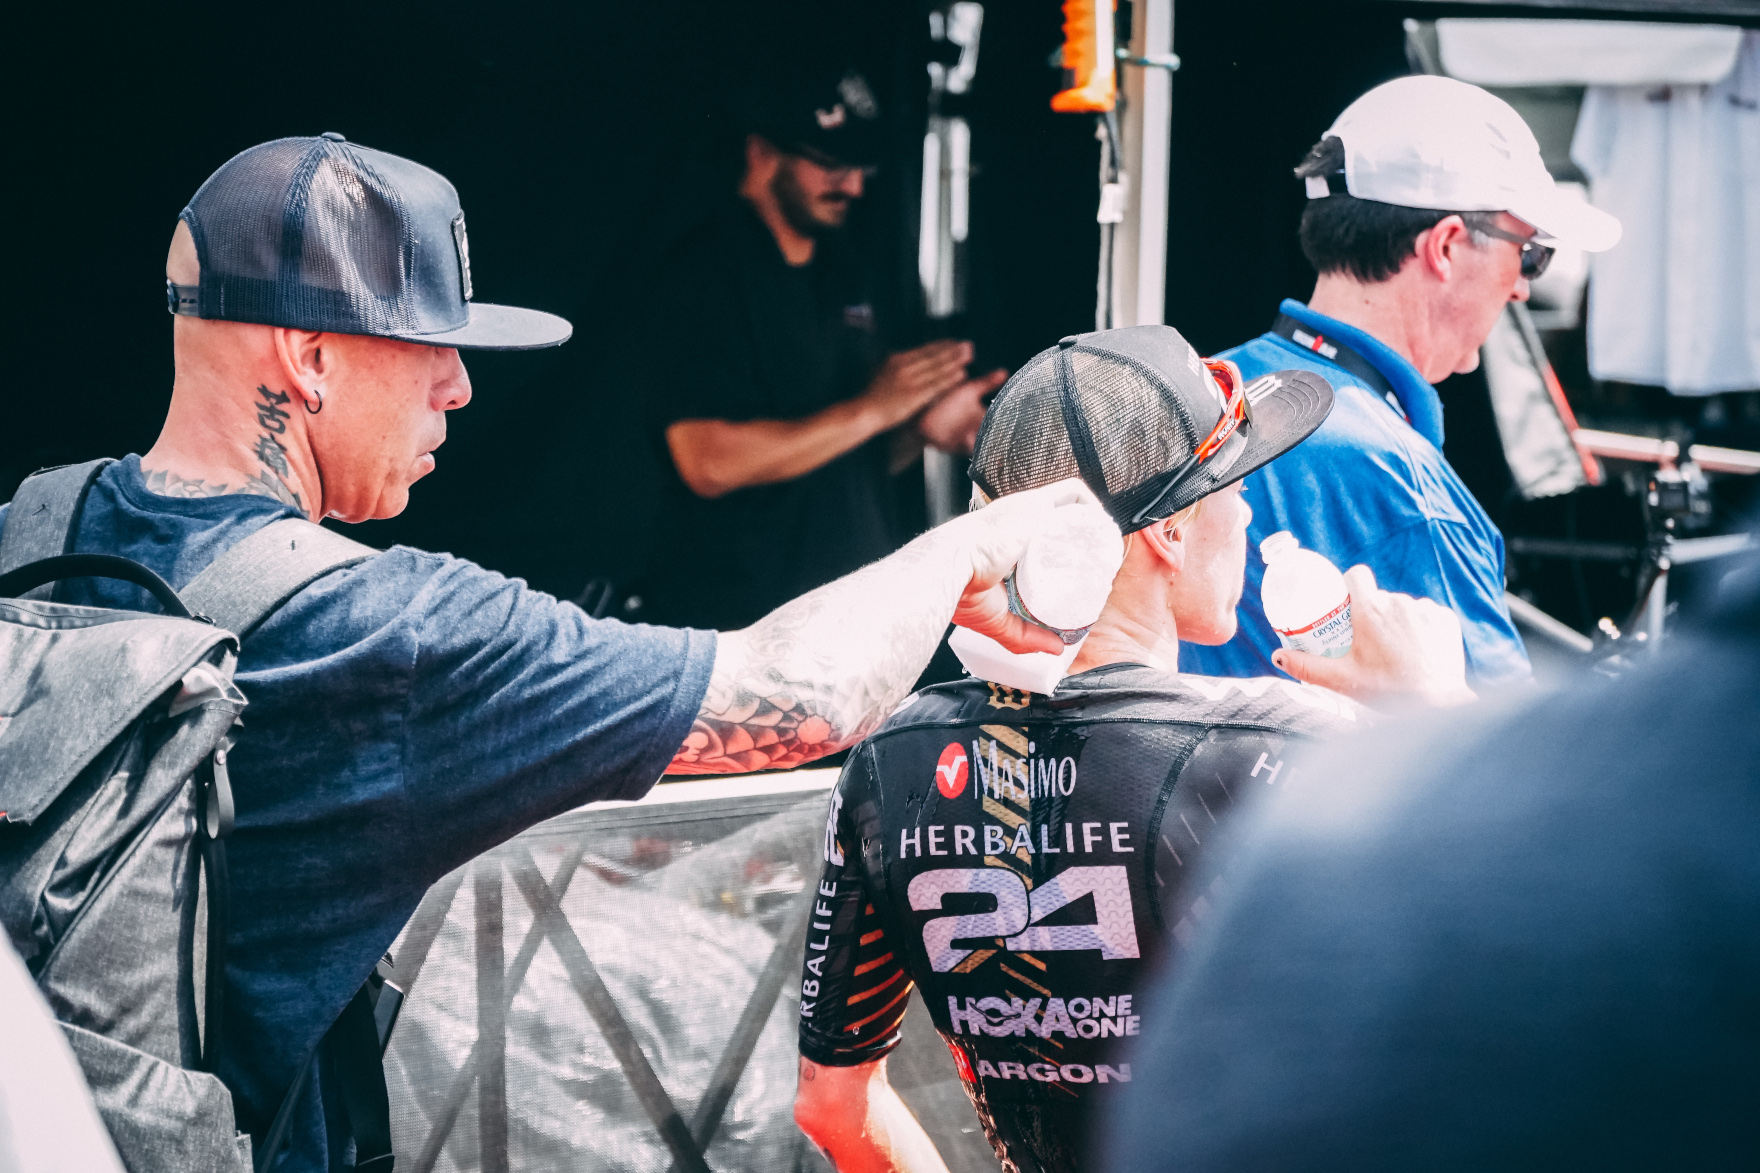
x: 1366, y: 239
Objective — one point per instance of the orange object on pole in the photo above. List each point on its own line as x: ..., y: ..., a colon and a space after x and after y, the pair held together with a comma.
x: 1088, y: 58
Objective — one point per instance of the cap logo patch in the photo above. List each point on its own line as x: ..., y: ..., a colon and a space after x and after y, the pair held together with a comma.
x: 853, y: 89
x: 831, y: 119
x: 1261, y: 387
x: 464, y: 253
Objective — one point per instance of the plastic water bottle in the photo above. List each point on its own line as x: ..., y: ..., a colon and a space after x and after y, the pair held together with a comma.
x: 1065, y: 574
x: 1305, y: 597
x: 1061, y: 582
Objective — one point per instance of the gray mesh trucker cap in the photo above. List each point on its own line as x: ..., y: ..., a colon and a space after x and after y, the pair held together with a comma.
x: 1124, y: 410
x: 322, y: 234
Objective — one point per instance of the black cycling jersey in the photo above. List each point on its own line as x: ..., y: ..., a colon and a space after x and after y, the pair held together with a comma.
x: 1021, y: 858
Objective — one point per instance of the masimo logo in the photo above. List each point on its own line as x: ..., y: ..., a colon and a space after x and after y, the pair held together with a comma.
x: 951, y: 771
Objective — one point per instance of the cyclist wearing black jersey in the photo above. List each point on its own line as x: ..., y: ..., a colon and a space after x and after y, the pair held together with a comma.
x: 1021, y: 858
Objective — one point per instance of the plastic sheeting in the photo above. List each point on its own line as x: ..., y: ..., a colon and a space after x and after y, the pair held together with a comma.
x: 1537, y: 441
x: 1520, y: 52
x: 618, y: 989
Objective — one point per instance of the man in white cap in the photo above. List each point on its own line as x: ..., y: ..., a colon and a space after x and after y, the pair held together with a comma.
x: 1429, y: 209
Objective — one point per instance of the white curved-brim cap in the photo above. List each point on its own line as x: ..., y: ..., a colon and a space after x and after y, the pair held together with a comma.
x: 1442, y: 144
x: 1566, y: 218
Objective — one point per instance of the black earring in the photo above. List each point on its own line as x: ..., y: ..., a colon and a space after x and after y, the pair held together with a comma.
x: 319, y: 392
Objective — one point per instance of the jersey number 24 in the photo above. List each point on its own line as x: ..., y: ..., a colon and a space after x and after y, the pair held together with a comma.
x: 1114, y: 931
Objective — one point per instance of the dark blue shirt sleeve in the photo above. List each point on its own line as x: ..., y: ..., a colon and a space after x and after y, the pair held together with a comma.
x: 521, y: 707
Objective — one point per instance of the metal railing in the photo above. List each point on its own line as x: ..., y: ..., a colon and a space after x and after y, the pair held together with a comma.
x: 615, y: 988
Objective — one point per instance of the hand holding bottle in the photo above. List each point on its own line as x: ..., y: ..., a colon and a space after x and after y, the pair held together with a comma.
x: 1404, y: 651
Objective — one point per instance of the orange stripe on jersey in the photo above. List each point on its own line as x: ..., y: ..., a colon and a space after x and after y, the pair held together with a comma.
x: 870, y: 938
x: 899, y: 997
x: 868, y: 911
x: 1021, y: 977
x: 865, y: 966
x: 866, y: 994
x: 880, y: 1030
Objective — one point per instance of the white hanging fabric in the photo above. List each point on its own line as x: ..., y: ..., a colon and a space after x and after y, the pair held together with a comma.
x: 1677, y: 302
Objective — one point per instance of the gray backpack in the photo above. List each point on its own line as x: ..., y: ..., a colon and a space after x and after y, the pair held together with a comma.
x: 114, y: 731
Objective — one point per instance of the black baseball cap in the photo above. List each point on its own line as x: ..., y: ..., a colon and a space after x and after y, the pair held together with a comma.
x: 323, y: 234
x: 1126, y: 410
x: 828, y: 116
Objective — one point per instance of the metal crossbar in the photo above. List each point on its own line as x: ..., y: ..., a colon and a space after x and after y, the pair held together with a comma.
x: 484, y: 1067
x: 430, y: 917
x: 599, y: 1003
x: 784, y: 961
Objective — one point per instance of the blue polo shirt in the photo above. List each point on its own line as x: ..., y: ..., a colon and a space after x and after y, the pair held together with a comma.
x: 1372, y: 487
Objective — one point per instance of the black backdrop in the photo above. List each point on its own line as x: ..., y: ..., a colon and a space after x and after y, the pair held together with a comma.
x: 583, y: 137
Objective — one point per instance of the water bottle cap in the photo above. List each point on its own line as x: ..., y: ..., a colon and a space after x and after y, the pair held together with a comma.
x: 1278, y: 544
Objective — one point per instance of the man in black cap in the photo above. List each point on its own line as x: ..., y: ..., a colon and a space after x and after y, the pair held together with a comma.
x: 782, y: 415
x: 1021, y: 857
x: 407, y: 710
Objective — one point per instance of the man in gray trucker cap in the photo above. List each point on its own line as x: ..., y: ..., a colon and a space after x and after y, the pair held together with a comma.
x: 410, y: 710
x: 1094, y: 803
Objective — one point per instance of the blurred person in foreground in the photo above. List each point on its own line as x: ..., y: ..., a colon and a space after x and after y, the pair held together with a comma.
x: 48, y: 1123
x: 780, y: 410
x: 1429, y: 210
x: 1525, y: 942
x: 410, y: 711
x: 1021, y: 857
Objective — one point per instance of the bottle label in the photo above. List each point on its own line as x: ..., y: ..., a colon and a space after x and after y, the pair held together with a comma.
x: 1329, y: 635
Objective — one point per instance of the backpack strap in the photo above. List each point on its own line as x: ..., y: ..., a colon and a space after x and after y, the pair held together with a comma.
x: 237, y: 591
x: 248, y: 582
x: 43, y: 520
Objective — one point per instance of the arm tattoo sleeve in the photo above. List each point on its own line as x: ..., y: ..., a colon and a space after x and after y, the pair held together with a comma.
x: 820, y: 673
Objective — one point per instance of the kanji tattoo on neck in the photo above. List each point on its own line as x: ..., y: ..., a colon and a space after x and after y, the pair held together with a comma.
x: 271, y: 452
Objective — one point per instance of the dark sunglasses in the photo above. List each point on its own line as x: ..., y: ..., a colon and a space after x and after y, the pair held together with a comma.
x: 1535, y: 257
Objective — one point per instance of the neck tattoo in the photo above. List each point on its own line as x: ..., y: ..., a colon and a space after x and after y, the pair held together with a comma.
x: 269, y: 481
x: 271, y: 452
